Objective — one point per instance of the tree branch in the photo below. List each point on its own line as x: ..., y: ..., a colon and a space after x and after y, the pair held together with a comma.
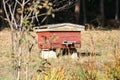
x: 8, y: 19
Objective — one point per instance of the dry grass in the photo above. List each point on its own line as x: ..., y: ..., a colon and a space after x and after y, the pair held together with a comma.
x: 102, y: 43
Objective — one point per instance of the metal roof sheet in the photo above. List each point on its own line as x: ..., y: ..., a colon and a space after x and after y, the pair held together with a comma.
x: 52, y: 26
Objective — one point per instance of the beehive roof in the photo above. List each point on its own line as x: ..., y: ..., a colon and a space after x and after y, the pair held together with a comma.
x: 60, y: 27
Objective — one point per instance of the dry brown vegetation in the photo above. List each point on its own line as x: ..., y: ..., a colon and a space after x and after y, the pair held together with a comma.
x: 99, y: 60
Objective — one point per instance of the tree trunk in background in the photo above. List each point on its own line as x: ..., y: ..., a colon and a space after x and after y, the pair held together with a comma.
x: 84, y: 11
x: 1, y: 15
x: 102, y: 12
x: 77, y: 11
x: 117, y: 10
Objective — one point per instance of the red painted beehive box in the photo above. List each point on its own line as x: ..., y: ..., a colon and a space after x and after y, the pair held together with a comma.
x: 59, y: 36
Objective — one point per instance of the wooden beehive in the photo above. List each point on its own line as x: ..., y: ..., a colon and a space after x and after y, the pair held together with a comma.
x: 59, y: 35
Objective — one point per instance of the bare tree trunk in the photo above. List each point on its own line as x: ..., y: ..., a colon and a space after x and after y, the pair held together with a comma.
x: 117, y: 10
x: 102, y: 12
x: 19, y: 57
x: 84, y: 11
x: 77, y: 11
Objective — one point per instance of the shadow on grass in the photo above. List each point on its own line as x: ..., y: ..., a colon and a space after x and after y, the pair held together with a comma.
x: 88, y: 54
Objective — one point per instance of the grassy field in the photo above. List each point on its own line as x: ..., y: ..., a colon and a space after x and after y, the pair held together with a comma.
x: 99, y: 59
